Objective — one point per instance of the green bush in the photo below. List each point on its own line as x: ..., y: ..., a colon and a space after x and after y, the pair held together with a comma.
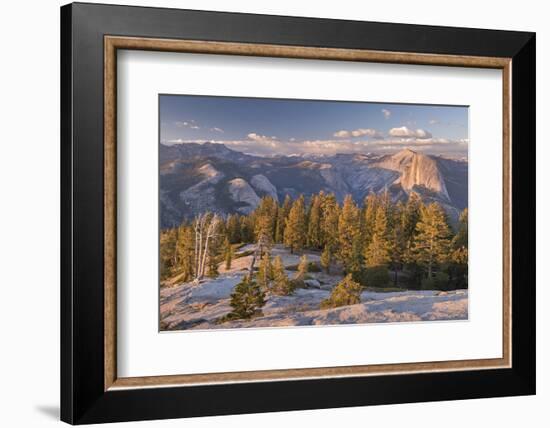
x: 347, y: 292
x: 439, y: 281
x: 376, y: 276
x: 247, y: 299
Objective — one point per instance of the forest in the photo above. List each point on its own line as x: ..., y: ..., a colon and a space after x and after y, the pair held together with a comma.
x: 379, y: 244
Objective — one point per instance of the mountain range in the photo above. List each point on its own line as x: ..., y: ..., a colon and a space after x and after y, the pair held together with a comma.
x: 211, y: 177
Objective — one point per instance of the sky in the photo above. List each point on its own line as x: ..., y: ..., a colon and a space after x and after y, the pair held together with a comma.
x: 270, y: 126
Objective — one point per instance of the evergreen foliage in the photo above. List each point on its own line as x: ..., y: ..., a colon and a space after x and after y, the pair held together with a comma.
x: 303, y: 267
x: 265, y: 272
x: 247, y: 299
x: 378, y: 251
x: 348, y: 233
x: 347, y: 292
x: 296, y: 227
x: 326, y: 258
x: 431, y: 243
x: 228, y: 253
x: 411, y: 242
x: 281, y: 284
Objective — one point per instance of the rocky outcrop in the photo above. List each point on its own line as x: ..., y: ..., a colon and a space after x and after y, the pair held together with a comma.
x: 242, y: 193
x: 262, y: 184
x: 416, y: 171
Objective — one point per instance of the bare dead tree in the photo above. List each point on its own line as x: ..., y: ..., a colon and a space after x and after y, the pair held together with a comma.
x: 205, y: 231
x: 263, y: 244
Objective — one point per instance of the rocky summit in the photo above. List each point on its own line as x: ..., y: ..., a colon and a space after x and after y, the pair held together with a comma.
x: 195, y: 178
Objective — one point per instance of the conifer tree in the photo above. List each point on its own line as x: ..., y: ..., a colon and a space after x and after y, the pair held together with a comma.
x: 282, y: 214
x: 347, y: 292
x: 411, y: 216
x: 213, y: 259
x: 265, y: 218
x: 397, y: 239
x: 314, y: 223
x: 459, y: 252
x: 233, y: 229
x: 369, y: 217
x: 356, y: 261
x: 378, y: 251
x: 247, y: 229
x: 329, y: 222
x: 228, y: 250
x: 348, y: 232
x: 326, y: 258
x: 168, y: 240
x: 247, y: 299
x: 303, y: 267
x: 295, y: 229
x: 431, y: 243
x: 281, y: 284
x: 265, y: 272
x: 186, y: 252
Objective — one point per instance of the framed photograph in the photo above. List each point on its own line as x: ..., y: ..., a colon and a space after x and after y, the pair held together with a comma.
x: 266, y: 213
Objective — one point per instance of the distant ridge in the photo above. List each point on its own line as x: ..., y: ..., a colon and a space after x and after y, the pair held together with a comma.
x: 210, y: 176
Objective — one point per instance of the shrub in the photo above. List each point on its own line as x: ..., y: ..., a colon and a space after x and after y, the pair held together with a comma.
x: 247, y: 299
x: 347, y: 292
x: 281, y: 285
x: 376, y: 276
x: 439, y: 281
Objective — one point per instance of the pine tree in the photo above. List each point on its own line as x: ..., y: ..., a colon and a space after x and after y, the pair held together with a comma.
x: 228, y: 250
x: 431, y: 243
x: 314, y: 223
x: 378, y: 251
x: 265, y: 272
x: 369, y: 217
x: 295, y: 229
x: 281, y: 285
x: 397, y: 239
x: 247, y: 229
x: 265, y: 218
x: 168, y: 240
x: 326, y: 258
x: 282, y: 214
x: 186, y: 252
x: 347, y: 292
x: 459, y: 252
x: 411, y: 216
x: 233, y: 229
x: 303, y: 267
x: 247, y: 299
x: 356, y: 260
x: 329, y: 222
x: 348, y: 232
x: 213, y: 259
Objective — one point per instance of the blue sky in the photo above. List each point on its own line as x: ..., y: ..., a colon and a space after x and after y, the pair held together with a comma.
x: 268, y: 126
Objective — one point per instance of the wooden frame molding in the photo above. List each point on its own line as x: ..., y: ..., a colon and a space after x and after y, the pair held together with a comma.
x: 113, y: 43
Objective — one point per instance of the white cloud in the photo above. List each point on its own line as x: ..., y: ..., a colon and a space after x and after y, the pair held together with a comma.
x: 215, y: 129
x: 405, y: 132
x: 187, y: 124
x: 260, y: 138
x: 361, y: 132
x: 386, y: 113
x: 342, y: 134
x: 268, y: 147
